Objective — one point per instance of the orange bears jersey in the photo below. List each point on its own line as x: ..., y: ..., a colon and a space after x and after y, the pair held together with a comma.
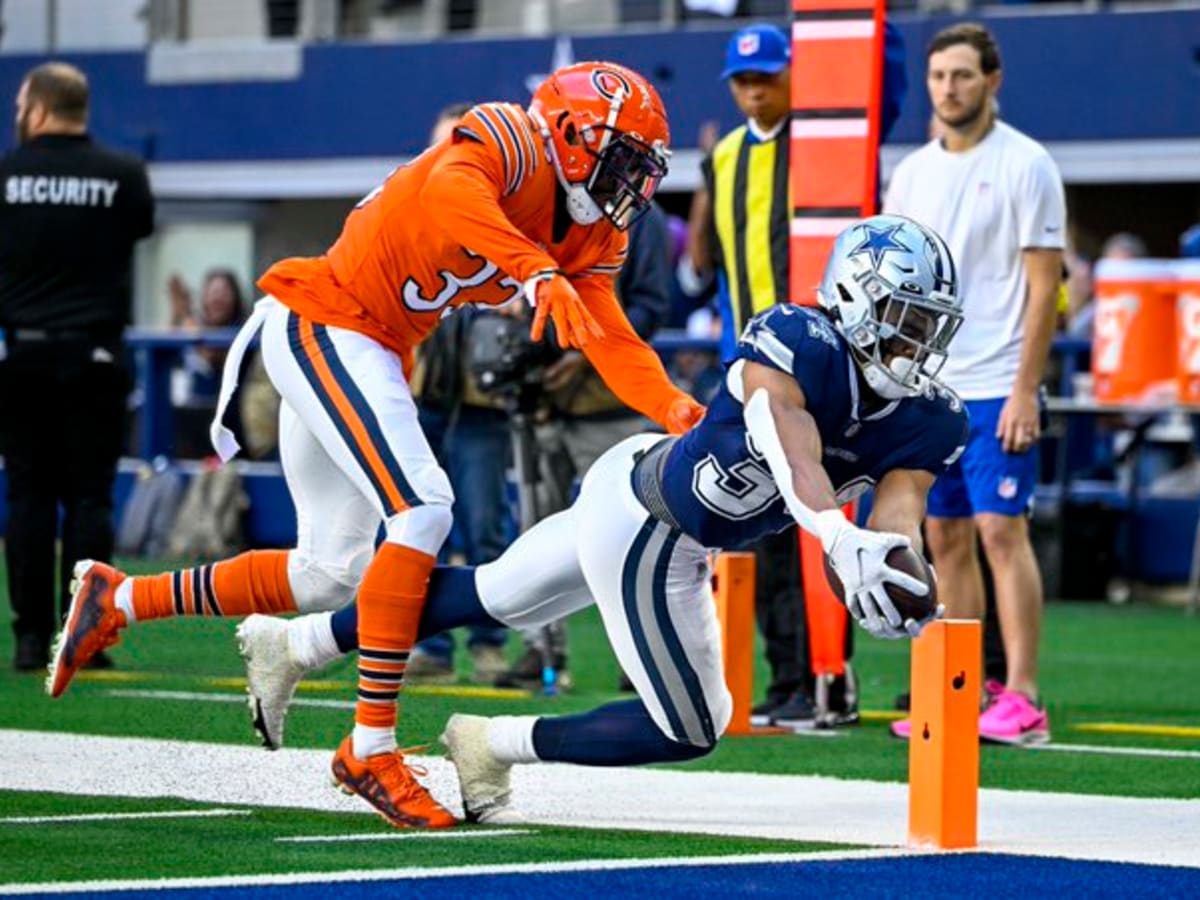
x: 469, y: 221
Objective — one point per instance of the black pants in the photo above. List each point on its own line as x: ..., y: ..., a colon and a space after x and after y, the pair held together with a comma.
x: 780, y: 611
x: 62, y: 418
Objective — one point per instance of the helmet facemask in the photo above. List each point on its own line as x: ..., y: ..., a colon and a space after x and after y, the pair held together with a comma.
x: 903, y: 346
x: 625, y: 177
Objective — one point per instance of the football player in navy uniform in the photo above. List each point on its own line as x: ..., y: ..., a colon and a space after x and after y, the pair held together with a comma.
x: 817, y: 406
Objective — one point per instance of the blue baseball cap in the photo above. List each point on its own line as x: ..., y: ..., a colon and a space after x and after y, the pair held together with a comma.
x: 1189, y: 243
x: 757, y: 48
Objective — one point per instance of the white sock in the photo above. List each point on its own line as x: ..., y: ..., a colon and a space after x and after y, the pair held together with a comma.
x: 310, y: 640
x: 124, y: 600
x: 372, y: 741
x: 510, y: 738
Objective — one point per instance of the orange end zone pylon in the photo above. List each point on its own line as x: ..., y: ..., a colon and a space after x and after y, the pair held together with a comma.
x: 733, y: 592
x: 943, y: 750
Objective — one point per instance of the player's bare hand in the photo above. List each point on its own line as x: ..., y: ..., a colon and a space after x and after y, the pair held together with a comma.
x: 683, y: 414
x: 565, y: 371
x: 1019, y: 426
x: 554, y: 297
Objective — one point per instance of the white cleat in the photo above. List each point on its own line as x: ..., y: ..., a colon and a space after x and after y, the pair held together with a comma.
x: 483, y: 779
x: 272, y: 674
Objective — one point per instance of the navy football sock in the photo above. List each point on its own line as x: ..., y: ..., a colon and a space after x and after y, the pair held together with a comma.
x: 452, y: 602
x: 617, y: 734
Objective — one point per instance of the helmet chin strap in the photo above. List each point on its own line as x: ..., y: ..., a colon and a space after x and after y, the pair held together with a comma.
x: 580, y: 205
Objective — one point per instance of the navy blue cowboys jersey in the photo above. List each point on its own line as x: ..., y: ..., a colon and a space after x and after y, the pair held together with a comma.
x: 719, y: 487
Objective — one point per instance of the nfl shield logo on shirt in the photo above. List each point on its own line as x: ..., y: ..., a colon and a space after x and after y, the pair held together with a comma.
x: 747, y: 44
x: 1007, y: 489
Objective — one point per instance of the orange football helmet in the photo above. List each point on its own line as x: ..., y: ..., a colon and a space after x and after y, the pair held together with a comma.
x: 606, y: 131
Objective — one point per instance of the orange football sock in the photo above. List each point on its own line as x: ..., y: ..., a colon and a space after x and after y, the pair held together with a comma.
x: 254, y: 582
x: 390, y: 600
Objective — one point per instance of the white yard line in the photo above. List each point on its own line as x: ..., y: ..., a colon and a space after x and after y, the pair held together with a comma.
x: 805, y: 808
x: 1118, y: 751
x: 582, y: 865
x: 401, y: 836
x: 110, y: 817
x: 213, y: 697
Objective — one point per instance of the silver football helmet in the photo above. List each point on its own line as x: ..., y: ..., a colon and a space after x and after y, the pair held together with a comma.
x: 891, y: 288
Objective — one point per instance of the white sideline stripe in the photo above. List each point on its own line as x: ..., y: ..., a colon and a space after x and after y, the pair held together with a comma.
x: 789, y: 807
x: 401, y: 836
x: 1118, y: 751
x: 581, y: 865
x: 216, y: 697
x: 110, y: 817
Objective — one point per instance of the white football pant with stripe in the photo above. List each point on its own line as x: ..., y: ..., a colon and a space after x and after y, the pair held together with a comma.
x: 651, y: 583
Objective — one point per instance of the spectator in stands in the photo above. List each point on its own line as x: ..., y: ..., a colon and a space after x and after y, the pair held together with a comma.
x: 1007, y: 236
x: 752, y: 160
x: 70, y: 214
x: 469, y: 434
x: 195, y: 383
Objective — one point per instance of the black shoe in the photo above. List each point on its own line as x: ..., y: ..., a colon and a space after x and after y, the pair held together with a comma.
x: 760, y: 714
x: 32, y: 654
x: 903, y: 702
x: 836, y: 700
x: 795, y: 712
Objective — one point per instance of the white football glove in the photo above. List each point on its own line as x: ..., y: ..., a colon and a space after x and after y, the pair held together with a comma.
x: 858, y: 556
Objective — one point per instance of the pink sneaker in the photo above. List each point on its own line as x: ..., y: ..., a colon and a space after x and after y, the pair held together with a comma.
x: 993, y: 690
x: 1014, y: 719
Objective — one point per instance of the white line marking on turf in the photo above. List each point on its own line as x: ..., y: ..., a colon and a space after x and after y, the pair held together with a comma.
x: 400, y: 836
x: 800, y: 731
x: 207, y: 697
x: 790, y: 807
x: 111, y: 817
x: 581, y: 865
x: 1117, y: 751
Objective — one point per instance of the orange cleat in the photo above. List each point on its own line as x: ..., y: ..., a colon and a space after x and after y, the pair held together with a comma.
x: 387, y: 783
x: 93, y: 623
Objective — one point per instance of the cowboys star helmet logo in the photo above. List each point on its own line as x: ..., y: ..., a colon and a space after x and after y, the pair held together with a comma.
x: 878, y: 241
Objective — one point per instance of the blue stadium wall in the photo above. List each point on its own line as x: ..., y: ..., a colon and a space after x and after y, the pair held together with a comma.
x: 1100, y: 76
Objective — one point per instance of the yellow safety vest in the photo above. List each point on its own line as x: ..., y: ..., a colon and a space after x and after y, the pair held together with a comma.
x: 751, y: 207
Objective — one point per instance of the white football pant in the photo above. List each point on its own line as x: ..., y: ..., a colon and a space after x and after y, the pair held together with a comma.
x: 651, y: 583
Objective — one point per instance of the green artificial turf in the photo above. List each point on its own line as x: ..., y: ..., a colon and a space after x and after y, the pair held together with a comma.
x: 1100, y: 663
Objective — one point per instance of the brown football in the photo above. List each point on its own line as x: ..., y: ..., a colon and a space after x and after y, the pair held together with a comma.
x: 909, y: 605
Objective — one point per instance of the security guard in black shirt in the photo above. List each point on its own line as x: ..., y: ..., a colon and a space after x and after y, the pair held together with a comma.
x: 70, y: 213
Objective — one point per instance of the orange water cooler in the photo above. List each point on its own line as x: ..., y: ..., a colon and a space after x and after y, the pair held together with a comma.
x: 1133, y: 342
x: 1187, y: 323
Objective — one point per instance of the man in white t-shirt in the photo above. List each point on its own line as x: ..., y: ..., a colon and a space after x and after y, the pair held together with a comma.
x: 996, y: 197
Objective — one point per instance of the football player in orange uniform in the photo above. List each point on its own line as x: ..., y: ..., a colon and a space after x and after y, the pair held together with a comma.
x: 517, y: 201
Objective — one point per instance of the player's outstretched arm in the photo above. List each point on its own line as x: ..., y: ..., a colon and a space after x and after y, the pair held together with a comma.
x: 628, y: 365
x: 787, y: 436
x: 899, y: 503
